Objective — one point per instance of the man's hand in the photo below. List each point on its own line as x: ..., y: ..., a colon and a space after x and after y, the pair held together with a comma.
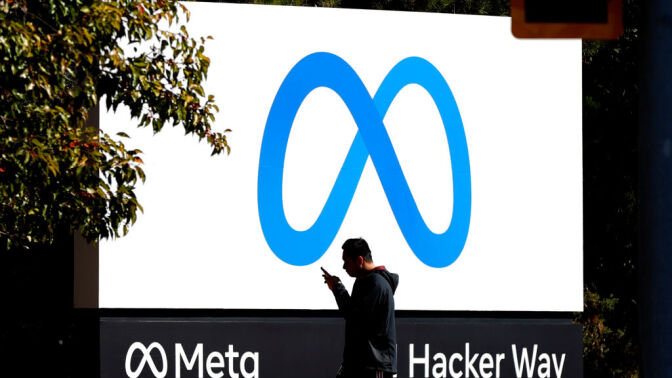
x: 330, y: 280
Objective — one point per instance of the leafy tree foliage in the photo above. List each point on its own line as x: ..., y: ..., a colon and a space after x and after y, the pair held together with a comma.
x: 489, y: 7
x: 58, y: 60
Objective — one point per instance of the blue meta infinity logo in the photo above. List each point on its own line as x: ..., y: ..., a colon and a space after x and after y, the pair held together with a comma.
x: 330, y: 71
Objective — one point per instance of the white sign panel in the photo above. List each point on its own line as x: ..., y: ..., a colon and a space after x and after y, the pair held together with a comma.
x: 453, y: 148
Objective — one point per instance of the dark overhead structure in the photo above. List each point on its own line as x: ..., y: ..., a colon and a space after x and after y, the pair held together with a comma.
x: 586, y: 19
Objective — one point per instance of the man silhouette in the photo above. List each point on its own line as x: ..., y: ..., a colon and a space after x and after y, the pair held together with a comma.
x: 370, y: 332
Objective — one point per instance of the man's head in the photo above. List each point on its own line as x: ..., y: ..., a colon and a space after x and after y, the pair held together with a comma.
x: 356, y: 256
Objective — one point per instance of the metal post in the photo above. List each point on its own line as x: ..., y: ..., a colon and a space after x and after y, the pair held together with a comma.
x: 655, y: 154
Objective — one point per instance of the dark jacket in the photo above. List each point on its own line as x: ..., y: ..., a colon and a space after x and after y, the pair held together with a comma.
x: 370, y: 331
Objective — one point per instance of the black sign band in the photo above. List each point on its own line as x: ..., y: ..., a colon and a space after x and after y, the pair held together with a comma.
x: 312, y: 348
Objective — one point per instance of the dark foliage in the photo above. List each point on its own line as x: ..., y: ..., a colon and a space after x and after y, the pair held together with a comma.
x: 610, y: 129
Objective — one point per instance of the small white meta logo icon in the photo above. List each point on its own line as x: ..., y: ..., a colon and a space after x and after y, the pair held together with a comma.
x: 146, y: 359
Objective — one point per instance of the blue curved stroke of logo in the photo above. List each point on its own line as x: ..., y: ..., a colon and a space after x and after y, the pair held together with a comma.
x: 328, y: 70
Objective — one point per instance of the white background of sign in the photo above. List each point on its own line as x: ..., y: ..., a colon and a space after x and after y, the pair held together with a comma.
x: 199, y: 242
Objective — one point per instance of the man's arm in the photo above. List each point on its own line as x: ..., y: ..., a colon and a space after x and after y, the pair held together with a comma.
x: 343, y: 299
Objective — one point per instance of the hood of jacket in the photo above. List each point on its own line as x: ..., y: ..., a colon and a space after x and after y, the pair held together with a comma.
x: 391, y: 278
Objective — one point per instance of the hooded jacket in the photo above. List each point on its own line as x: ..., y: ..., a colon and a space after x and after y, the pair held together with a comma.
x: 370, y: 331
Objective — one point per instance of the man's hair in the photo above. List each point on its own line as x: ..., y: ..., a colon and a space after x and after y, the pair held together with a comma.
x: 357, y: 247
